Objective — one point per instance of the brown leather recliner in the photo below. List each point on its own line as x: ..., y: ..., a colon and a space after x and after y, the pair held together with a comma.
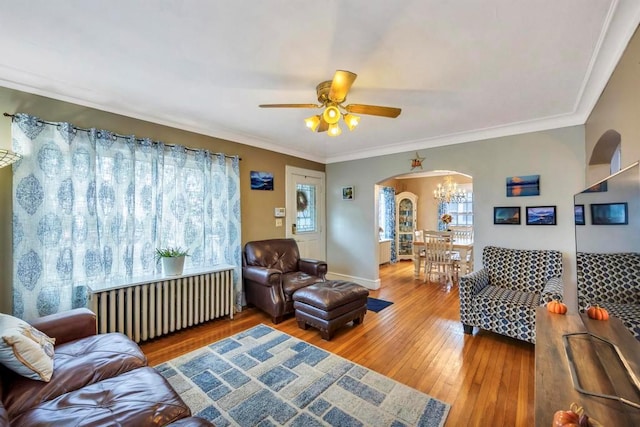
x: 273, y: 271
x: 98, y: 380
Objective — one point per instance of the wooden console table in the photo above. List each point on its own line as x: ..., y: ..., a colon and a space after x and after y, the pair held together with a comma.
x: 554, y: 386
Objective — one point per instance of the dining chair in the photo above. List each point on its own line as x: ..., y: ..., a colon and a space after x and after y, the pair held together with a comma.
x: 462, y: 232
x: 439, y: 250
x: 419, y: 253
x: 463, y: 267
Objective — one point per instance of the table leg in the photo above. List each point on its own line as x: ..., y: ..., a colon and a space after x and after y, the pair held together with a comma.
x: 464, y: 265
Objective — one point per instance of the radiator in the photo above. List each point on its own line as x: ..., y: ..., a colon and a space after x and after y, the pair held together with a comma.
x: 384, y: 254
x: 148, y: 310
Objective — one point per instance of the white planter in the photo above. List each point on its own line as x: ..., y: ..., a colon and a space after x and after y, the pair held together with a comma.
x: 172, y: 266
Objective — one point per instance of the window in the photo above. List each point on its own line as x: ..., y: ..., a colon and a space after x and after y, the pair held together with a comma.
x: 461, y: 213
x: 615, y: 160
x: 306, y: 217
x: 105, y: 203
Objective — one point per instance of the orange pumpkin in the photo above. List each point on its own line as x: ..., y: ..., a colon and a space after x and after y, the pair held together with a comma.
x: 557, y: 307
x: 565, y: 419
x: 598, y: 313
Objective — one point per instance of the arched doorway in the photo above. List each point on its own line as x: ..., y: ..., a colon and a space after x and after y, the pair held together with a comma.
x: 606, y: 156
x: 428, y: 210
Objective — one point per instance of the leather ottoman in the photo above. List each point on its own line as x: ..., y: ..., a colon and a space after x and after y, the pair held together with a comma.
x: 330, y: 305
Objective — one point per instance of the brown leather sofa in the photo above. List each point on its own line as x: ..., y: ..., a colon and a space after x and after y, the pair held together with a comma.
x: 98, y: 380
x: 273, y: 271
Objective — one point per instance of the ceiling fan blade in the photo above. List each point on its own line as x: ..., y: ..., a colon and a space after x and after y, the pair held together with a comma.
x: 324, y: 126
x: 340, y: 85
x: 289, y: 106
x: 373, y: 110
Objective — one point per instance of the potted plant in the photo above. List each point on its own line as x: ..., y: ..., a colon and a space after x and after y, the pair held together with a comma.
x: 172, y: 260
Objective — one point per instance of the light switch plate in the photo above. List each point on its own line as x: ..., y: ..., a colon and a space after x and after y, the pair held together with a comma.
x: 278, y: 222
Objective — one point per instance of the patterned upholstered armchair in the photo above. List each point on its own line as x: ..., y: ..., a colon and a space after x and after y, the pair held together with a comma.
x: 502, y: 296
x: 612, y: 281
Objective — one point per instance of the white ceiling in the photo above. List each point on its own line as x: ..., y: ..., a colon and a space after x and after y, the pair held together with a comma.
x: 460, y: 70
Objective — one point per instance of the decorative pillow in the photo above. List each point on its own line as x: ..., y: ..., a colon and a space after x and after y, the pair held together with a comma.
x: 25, y: 350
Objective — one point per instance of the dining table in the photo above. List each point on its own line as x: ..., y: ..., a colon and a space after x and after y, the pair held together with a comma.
x: 463, y: 246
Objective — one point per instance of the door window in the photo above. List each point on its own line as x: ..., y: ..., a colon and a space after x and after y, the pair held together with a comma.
x: 306, y: 221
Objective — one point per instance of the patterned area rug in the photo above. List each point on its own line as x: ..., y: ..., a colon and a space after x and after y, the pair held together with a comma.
x: 263, y: 377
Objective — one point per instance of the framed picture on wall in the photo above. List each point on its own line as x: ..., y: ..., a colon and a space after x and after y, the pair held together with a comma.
x: 609, y: 213
x: 597, y: 188
x: 348, y: 192
x: 506, y: 215
x: 525, y: 185
x: 541, y: 215
x: 578, y: 213
x: 261, y: 180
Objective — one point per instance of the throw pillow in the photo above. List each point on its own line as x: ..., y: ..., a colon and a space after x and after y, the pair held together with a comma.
x: 24, y: 349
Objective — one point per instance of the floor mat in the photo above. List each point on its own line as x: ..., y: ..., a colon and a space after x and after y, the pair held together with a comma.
x: 376, y: 305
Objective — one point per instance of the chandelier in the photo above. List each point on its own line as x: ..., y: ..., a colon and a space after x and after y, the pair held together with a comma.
x: 449, y: 192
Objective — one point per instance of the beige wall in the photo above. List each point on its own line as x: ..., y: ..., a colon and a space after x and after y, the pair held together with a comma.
x: 619, y: 109
x: 556, y: 155
x: 257, y: 206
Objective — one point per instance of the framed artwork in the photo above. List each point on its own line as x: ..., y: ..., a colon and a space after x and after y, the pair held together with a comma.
x: 609, y: 213
x: 600, y: 187
x: 526, y: 185
x: 261, y: 180
x: 348, y: 192
x: 506, y: 215
x: 541, y: 215
x: 578, y: 213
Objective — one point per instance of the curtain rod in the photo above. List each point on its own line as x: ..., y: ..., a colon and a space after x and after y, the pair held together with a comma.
x: 118, y: 135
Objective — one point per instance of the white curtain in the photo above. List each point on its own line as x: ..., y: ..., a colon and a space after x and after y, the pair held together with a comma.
x: 91, y: 206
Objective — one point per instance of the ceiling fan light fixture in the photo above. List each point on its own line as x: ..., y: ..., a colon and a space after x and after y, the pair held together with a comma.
x: 334, y: 129
x: 312, y: 122
x: 331, y: 114
x: 331, y: 96
x: 351, y: 121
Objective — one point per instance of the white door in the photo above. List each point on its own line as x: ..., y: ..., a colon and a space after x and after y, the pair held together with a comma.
x: 305, y: 212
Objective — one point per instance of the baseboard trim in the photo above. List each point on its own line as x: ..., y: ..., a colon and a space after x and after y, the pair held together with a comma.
x: 367, y: 283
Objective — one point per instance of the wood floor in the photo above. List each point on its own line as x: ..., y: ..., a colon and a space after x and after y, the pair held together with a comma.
x: 488, y: 379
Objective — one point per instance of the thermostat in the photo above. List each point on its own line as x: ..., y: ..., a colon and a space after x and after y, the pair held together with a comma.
x: 279, y: 212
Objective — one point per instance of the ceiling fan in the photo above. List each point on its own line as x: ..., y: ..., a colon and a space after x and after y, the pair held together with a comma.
x: 331, y: 95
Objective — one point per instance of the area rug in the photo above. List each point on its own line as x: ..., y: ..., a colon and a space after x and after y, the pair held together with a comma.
x: 375, y: 304
x: 264, y: 377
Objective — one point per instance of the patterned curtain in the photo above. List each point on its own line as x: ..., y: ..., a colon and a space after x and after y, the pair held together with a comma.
x: 442, y: 209
x: 389, y: 226
x: 91, y: 206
